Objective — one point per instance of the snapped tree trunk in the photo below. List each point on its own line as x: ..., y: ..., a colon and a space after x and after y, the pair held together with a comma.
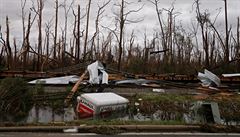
x: 8, y: 47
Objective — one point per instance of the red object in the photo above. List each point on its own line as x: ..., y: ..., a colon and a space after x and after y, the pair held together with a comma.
x: 84, y: 111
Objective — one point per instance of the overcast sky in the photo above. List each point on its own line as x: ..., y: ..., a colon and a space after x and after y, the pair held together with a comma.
x: 12, y: 8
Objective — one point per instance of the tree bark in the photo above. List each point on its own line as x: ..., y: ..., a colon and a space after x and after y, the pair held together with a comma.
x: 55, y: 31
x: 86, y: 34
x: 8, y: 47
x: 40, y: 11
x: 226, y: 57
x: 78, y: 35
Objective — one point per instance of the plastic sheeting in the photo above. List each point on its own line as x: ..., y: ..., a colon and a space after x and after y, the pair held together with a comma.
x: 97, y: 74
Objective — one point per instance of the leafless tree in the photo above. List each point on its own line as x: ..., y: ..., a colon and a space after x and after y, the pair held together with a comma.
x: 227, y: 31
x: 159, y: 12
x: 167, y: 29
x: 2, y: 43
x: 26, y: 33
x: 39, y: 11
x: 23, y: 15
x: 130, y: 50
x: 46, y: 45
x: 86, y: 32
x: 7, y: 44
x: 196, y: 49
x: 100, y: 11
x: 15, y: 58
x: 77, y: 33
x: 64, y: 38
x: 203, y: 19
x: 26, y: 42
x: 170, y: 32
x: 122, y: 19
x: 238, y: 39
x: 55, y: 30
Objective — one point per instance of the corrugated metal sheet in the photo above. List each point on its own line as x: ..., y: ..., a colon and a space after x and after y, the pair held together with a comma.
x: 56, y: 80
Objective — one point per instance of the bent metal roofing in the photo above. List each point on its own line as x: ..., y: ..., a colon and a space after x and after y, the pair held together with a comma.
x: 56, y: 80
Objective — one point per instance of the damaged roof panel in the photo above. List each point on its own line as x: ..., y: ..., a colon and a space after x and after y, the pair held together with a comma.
x: 56, y: 80
x: 231, y: 75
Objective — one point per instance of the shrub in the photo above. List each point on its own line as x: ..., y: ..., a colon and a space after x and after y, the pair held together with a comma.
x: 15, y: 99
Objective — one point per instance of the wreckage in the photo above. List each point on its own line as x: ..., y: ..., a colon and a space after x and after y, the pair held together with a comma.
x: 100, y: 105
x: 110, y: 101
x: 97, y: 104
x: 209, y: 79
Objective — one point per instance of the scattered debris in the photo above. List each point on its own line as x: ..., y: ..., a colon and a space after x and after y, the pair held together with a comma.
x: 71, y: 130
x: 206, y: 112
x: 97, y: 74
x: 158, y: 90
x: 136, y: 104
x: 56, y: 80
x: 140, y: 82
x: 231, y: 75
x: 209, y: 79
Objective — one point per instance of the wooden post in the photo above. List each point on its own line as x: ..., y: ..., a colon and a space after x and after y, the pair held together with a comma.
x: 75, y: 87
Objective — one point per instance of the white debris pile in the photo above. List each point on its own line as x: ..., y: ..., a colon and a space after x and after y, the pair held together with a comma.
x: 97, y: 74
x: 209, y: 79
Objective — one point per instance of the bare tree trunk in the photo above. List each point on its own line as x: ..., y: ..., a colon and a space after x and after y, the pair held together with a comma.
x: 206, y: 49
x: 15, y: 54
x: 164, y: 43
x: 47, y: 35
x: 26, y: 43
x: 39, y: 51
x: 78, y: 35
x: 55, y: 31
x: 23, y: 4
x: 86, y: 34
x: 212, y: 50
x: 238, y: 36
x: 226, y: 57
x: 121, y: 26
x: 96, y: 33
x: 131, y: 42
x: 238, y: 44
x: 202, y: 20
x: 8, y: 47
